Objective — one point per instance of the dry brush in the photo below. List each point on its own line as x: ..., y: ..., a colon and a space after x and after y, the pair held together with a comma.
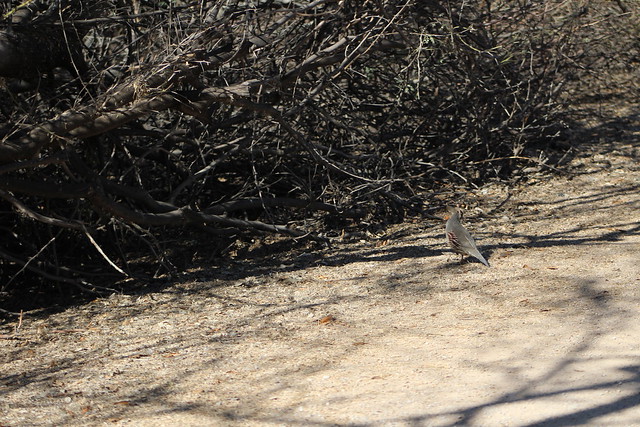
x: 220, y: 118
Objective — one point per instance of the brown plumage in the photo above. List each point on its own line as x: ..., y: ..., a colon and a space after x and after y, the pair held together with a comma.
x: 459, y: 238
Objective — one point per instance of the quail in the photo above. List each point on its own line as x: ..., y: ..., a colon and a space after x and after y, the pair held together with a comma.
x: 459, y: 238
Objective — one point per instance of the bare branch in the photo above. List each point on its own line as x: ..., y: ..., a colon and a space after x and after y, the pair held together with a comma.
x: 20, y: 207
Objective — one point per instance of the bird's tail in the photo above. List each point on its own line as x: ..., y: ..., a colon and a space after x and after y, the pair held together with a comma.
x: 476, y: 254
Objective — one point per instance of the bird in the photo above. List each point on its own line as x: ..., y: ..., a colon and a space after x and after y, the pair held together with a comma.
x: 459, y: 238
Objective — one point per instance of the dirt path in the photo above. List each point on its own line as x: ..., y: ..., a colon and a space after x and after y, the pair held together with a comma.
x: 385, y: 332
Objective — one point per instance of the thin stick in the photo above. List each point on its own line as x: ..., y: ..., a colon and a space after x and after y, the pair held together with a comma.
x: 19, y: 321
x: 104, y: 255
x: 26, y: 264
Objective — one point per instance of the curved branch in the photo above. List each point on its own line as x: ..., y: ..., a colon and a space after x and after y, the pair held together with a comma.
x: 20, y: 207
x: 182, y: 216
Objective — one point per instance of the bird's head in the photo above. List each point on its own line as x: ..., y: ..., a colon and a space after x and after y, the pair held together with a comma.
x: 451, y: 211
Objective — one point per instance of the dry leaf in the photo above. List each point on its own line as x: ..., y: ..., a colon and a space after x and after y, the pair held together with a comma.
x: 326, y: 319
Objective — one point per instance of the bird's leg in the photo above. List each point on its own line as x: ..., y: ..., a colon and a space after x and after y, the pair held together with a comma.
x: 461, y: 258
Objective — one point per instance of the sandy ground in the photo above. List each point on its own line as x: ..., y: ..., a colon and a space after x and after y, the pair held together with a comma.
x: 390, y: 331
